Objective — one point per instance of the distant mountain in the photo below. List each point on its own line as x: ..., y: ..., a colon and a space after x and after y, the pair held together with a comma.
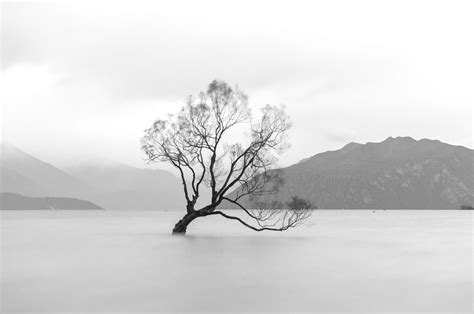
x: 397, y: 173
x: 120, y: 186
x: 20, y: 202
x: 22, y: 173
x: 109, y: 184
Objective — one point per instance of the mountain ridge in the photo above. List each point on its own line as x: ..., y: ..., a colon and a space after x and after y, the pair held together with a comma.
x: 398, y: 172
x: 25, y: 174
x: 15, y: 201
x: 110, y: 184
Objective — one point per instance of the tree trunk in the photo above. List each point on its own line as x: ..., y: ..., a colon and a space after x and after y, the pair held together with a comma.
x: 180, y: 227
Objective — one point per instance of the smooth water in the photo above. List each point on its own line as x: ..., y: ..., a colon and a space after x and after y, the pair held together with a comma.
x: 340, y: 261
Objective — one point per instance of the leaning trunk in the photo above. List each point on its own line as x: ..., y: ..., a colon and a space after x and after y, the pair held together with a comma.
x: 180, y: 227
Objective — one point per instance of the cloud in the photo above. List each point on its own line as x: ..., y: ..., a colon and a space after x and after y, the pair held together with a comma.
x: 97, y: 73
x: 161, y: 51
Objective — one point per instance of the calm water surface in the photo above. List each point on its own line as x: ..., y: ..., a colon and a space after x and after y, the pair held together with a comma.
x: 340, y: 261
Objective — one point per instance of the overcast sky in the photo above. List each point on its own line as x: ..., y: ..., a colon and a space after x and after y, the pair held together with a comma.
x: 84, y: 80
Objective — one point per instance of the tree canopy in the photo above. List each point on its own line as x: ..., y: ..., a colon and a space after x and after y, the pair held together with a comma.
x: 198, y: 142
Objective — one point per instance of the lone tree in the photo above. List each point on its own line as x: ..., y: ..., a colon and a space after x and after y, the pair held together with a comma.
x: 196, y: 142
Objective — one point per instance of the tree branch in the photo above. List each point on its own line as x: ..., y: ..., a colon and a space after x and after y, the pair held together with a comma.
x: 246, y: 224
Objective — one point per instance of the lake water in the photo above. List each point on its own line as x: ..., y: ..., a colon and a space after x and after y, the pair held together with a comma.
x: 340, y: 261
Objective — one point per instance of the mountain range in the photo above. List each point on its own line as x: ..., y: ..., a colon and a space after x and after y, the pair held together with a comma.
x: 109, y: 184
x: 24, y: 174
x: 397, y: 173
x: 119, y: 186
x: 17, y: 201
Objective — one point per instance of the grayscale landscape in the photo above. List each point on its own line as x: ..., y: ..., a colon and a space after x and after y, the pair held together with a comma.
x: 246, y: 157
x: 397, y: 173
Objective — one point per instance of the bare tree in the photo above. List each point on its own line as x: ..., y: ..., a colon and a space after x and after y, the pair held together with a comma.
x: 196, y: 142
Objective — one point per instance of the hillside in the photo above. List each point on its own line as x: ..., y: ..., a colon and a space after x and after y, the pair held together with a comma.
x: 398, y: 173
x: 23, y: 173
x: 13, y: 201
x: 119, y: 186
x: 110, y: 184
